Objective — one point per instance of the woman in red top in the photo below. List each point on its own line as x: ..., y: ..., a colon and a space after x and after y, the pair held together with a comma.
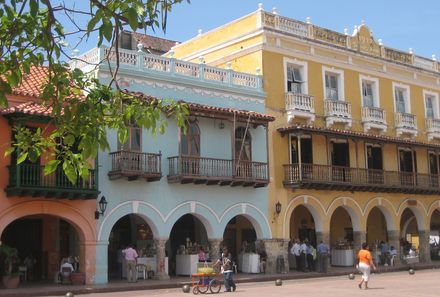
x: 365, y: 264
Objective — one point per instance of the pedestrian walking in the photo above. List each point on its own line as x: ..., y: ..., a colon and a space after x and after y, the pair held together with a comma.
x: 130, y: 256
x: 226, y: 268
x: 323, y: 251
x: 365, y: 264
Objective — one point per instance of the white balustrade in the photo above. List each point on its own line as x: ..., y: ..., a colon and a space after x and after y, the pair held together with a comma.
x: 337, y: 108
x: 303, y: 102
x: 373, y: 114
x: 406, y: 120
x: 423, y: 63
x: 147, y: 62
x: 245, y: 80
x: 157, y: 63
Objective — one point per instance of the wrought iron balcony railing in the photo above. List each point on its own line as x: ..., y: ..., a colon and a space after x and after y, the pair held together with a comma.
x: 133, y: 165
x: 210, y: 171
x: 30, y: 180
x: 360, y: 179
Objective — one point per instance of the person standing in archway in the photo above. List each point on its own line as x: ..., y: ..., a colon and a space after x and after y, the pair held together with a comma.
x: 131, y: 256
x: 365, y: 264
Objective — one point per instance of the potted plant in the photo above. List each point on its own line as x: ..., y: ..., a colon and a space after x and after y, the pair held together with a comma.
x: 9, y: 263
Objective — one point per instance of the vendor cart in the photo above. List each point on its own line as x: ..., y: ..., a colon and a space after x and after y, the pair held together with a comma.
x: 206, y: 279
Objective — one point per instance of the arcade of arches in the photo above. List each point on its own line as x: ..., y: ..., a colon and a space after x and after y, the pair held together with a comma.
x: 187, y: 235
x: 346, y: 225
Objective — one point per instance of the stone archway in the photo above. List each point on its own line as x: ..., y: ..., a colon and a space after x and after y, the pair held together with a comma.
x: 186, y: 237
x: 434, y: 240
x: 409, y: 231
x: 53, y: 214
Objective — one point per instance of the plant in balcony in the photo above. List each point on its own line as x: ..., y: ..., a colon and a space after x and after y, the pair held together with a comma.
x: 9, y: 262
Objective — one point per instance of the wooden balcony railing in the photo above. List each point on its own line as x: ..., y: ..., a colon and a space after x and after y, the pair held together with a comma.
x: 360, y: 179
x: 211, y: 171
x: 30, y: 180
x: 133, y: 165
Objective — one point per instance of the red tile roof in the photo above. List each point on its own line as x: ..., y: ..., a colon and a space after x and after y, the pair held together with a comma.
x: 32, y: 83
x: 154, y: 43
x: 30, y: 107
x: 213, y: 111
x: 354, y: 134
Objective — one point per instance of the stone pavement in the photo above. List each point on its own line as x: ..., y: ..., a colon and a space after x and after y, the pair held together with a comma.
x: 50, y: 289
x: 422, y: 283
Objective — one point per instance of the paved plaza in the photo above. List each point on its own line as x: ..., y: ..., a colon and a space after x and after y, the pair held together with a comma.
x: 402, y: 284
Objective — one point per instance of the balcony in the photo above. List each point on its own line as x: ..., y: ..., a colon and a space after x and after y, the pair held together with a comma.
x: 132, y: 165
x: 29, y: 180
x: 149, y: 64
x: 300, y: 106
x: 337, y: 111
x: 210, y: 171
x: 311, y: 176
x: 374, y: 118
x: 433, y: 129
x: 405, y: 124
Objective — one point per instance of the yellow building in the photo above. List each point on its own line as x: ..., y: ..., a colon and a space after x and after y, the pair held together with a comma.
x: 354, y: 150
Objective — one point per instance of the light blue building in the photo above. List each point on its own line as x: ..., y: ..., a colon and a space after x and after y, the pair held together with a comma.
x: 172, y: 193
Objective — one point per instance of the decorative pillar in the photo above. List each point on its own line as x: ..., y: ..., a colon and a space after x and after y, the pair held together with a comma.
x: 101, y: 263
x: 160, y: 259
x: 424, y: 247
x: 394, y: 240
x: 214, y: 248
x: 274, y: 248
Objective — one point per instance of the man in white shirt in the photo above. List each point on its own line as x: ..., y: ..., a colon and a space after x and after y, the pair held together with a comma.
x: 296, y: 251
x: 303, y: 251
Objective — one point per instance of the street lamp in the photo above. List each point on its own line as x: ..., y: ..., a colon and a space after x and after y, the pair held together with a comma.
x: 102, y: 207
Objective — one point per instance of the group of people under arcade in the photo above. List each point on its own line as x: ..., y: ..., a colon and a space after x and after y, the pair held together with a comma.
x: 309, y: 258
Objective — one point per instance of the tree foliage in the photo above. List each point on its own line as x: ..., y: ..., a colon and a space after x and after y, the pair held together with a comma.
x: 34, y: 33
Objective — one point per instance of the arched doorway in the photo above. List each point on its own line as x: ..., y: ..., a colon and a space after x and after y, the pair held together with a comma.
x: 302, y: 225
x: 186, y: 237
x: 43, y: 241
x: 341, y: 228
x: 376, y: 227
x: 434, y: 238
x: 409, y: 231
x: 341, y: 238
x: 130, y: 229
x: 241, y: 239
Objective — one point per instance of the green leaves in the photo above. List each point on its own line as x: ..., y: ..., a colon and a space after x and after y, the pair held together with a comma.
x: 33, y: 33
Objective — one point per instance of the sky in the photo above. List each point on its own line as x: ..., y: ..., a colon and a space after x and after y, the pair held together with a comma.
x: 401, y: 24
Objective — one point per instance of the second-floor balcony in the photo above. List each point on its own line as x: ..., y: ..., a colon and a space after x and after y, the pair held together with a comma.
x: 30, y: 180
x: 433, y: 129
x: 211, y: 171
x: 406, y: 123
x: 133, y: 165
x: 374, y: 117
x: 359, y: 179
x: 337, y: 111
x: 300, y: 106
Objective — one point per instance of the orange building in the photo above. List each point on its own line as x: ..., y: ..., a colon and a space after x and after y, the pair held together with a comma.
x: 43, y: 215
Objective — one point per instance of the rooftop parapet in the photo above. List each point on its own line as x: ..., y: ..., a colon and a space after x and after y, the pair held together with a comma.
x: 148, y: 64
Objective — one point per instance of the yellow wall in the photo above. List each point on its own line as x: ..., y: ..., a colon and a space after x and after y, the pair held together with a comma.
x: 268, y: 53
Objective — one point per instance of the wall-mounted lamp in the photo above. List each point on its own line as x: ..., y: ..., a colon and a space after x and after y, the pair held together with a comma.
x: 221, y: 125
x: 102, y: 207
x: 278, y: 208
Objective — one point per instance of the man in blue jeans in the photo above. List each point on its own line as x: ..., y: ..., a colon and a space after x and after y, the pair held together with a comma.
x: 227, y: 270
